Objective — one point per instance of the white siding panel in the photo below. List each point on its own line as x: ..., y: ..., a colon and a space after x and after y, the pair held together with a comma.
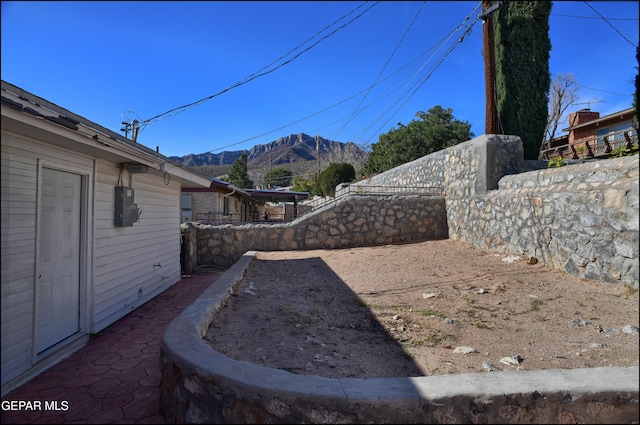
x: 19, y: 176
x: 120, y: 260
x: 31, y: 150
x: 17, y: 267
x: 18, y: 247
x: 18, y: 184
x: 139, y: 240
x: 17, y: 162
x: 17, y: 302
x: 20, y: 156
x: 125, y: 256
x: 23, y: 222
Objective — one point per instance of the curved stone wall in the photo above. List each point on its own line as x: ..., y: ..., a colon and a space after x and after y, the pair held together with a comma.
x: 200, y: 385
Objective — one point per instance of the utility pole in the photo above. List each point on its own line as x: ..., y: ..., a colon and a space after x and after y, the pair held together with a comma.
x: 318, y: 153
x: 491, y: 124
x: 270, y: 170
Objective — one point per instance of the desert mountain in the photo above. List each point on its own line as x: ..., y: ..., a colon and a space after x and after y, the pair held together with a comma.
x: 296, y: 152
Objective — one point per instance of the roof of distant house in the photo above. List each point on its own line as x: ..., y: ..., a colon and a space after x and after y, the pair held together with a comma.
x: 277, y: 195
x: 601, y: 119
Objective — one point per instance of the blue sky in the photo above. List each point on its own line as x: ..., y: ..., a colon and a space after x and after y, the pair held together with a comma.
x: 256, y: 71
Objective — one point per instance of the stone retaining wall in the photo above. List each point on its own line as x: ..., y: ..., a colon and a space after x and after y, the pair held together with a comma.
x: 462, y: 170
x: 361, y: 220
x: 581, y: 218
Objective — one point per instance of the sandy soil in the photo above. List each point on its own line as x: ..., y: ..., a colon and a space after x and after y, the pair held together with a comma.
x: 430, y: 308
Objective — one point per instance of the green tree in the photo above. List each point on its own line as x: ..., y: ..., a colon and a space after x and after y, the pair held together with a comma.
x: 332, y: 176
x: 522, y: 46
x: 432, y: 131
x: 305, y: 183
x: 238, y: 174
x: 278, y: 177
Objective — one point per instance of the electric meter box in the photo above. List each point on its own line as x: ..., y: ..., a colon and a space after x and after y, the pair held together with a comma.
x: 124, y: 206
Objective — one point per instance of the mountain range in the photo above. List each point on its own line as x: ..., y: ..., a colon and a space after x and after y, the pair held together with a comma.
x: 296, y: 152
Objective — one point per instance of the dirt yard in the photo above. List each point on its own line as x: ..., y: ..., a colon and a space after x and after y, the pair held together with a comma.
x: 430, y: 308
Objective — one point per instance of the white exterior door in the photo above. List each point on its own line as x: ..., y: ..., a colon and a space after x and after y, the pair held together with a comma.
x: 58, y: 269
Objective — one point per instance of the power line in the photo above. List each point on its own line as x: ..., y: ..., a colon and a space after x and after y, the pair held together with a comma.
x: 328, y: 108
x: 286, y: 125
x: 610, y: 24
x: 593, y: 17
x: 591, y: 88
x: 419, y: 84
x: 388, y: 91
x: 400, y: 90
x: 311, y: 38
x: 604, y: 91
x: 258, y: 74
x: 381, y: 71
x: 359, y: 109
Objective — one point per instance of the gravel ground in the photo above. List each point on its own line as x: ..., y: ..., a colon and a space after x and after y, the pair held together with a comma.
x: 429, y: 308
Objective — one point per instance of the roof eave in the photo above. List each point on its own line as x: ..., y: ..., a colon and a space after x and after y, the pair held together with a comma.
x: 599, y: 120
x: 26, y: 113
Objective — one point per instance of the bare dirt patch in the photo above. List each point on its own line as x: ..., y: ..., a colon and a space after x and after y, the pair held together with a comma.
x: 429, y: 308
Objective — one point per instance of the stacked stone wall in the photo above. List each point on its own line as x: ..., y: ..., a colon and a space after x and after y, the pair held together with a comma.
x: 462, y: 170
x: 581, y: 218
x: 360, y: 220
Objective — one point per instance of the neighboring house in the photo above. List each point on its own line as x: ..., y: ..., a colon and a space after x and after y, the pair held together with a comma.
x: 280, y: 205
x: 223, y: 202
x: 592, y: 136
x: 555, y: 148
x: 90, y: 230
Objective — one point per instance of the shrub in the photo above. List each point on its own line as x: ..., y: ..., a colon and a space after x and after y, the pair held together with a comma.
x: 621, y: 151
x: 332, y: 176
x: 557, y: 162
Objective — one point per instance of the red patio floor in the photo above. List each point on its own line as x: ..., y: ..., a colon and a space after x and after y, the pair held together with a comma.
x: 115, y: 378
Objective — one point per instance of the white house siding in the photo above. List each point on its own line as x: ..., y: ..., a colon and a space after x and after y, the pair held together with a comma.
x: 21, y: 159
x: 120, y: 267
x: 127, y: 258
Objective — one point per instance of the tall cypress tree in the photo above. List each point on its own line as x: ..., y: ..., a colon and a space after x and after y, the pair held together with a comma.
x: 522, y: 46
x: 238, y: 174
